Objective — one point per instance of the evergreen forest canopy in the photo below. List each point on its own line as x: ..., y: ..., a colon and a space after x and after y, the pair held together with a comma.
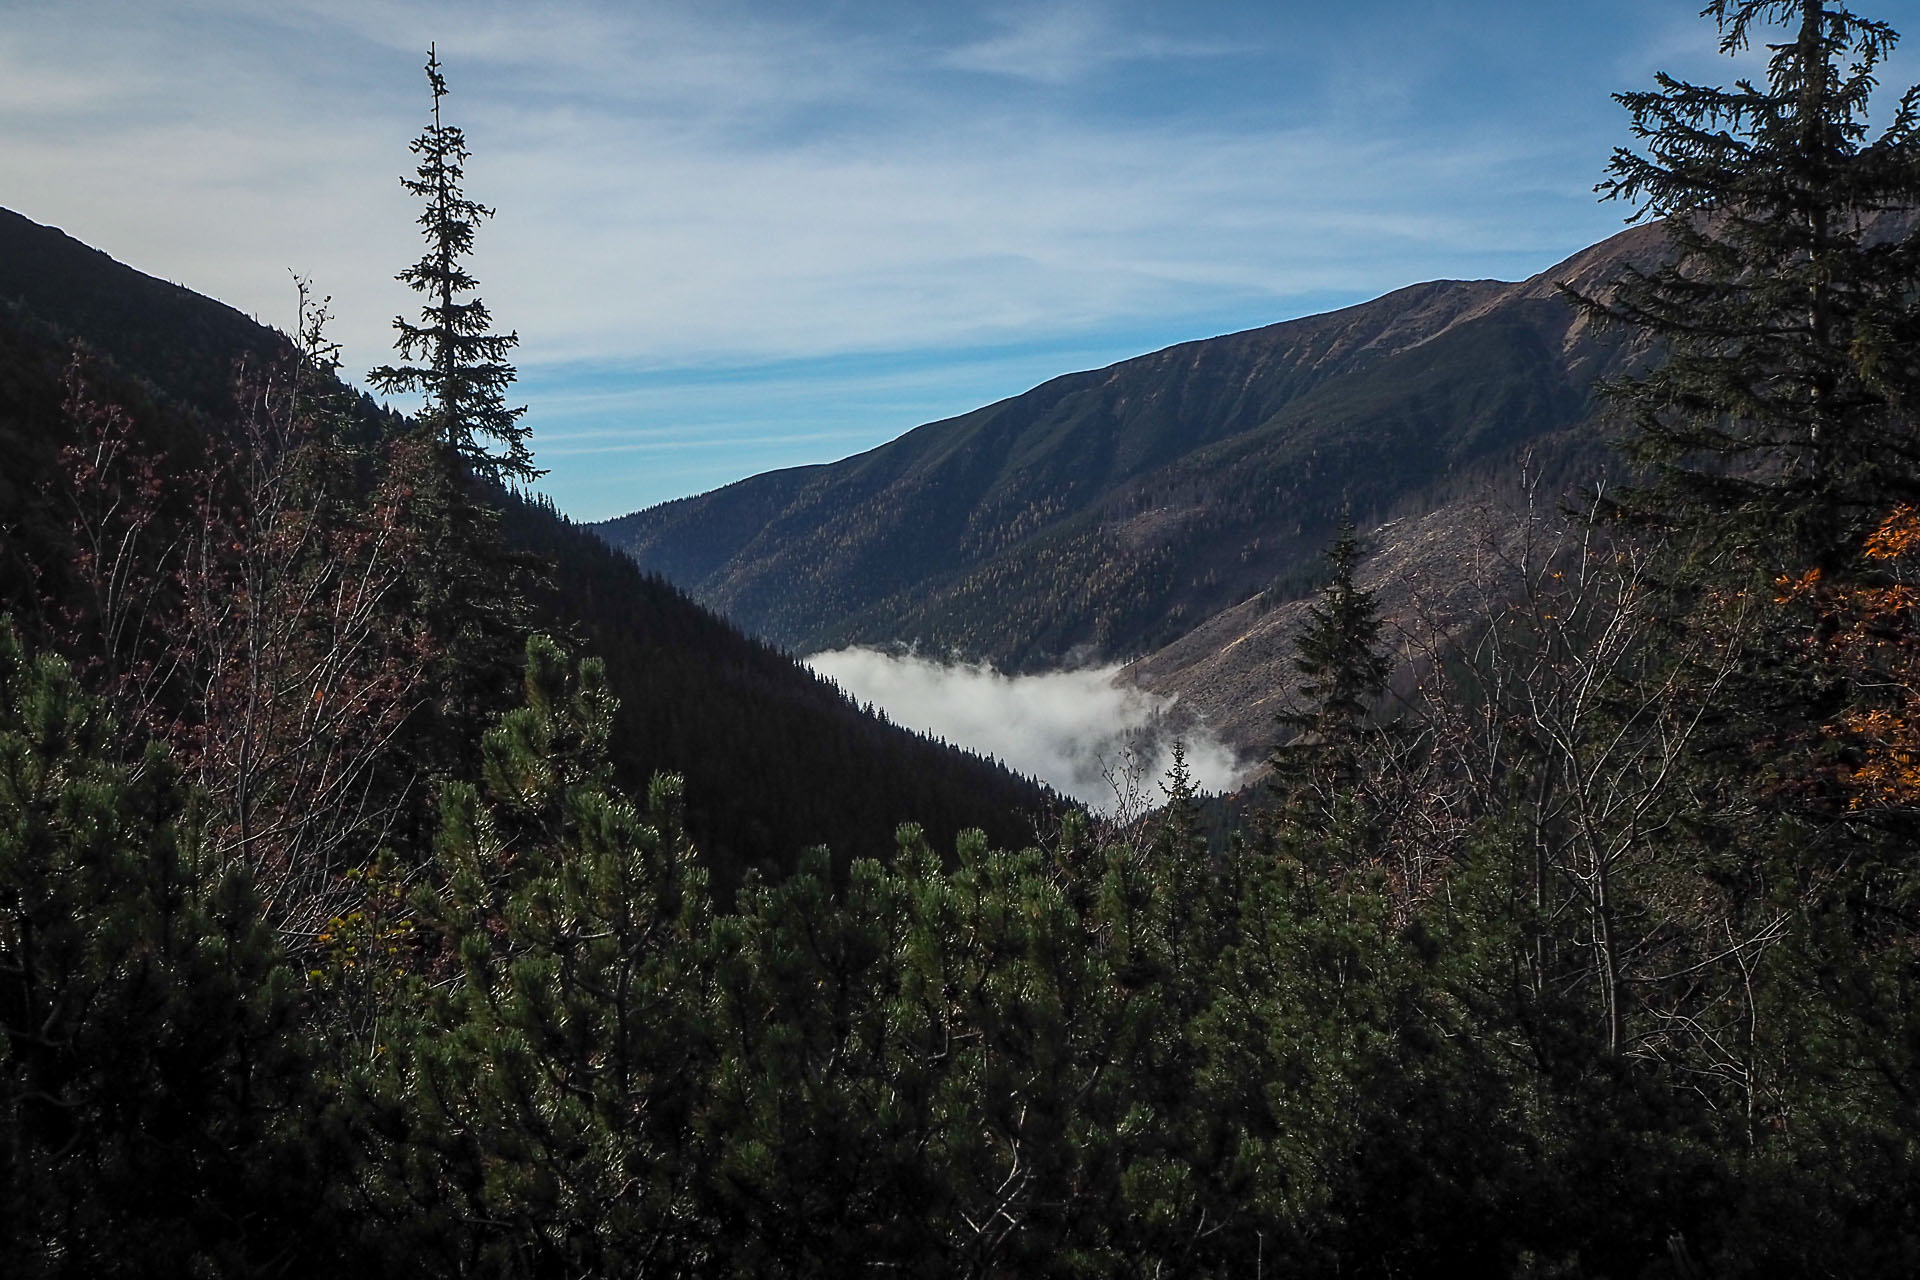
x: 332, y: 937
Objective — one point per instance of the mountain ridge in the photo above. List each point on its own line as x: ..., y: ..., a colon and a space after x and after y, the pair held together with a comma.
x: 1105, y: 513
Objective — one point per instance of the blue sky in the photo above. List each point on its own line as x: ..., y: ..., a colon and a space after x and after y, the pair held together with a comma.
x: 739, y: 236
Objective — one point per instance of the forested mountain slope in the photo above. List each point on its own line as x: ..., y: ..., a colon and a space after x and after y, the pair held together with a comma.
x: 1107, y: 513
x: 775, y: 758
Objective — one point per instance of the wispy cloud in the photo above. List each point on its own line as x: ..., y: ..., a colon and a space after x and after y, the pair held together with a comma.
x: 720, y: 186
x: 1060, y: 43
x: 1075, y: 730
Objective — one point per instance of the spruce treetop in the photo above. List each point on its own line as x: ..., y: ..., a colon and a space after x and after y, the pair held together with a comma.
x: 453, y: 356
x: 1787, y: 312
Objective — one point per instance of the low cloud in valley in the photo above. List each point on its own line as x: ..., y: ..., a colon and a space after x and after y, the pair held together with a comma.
x: 1078, y: 731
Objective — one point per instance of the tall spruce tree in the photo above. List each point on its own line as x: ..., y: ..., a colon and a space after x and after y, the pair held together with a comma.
x: 455, y: 359
x: 1778, y: 416
x: 469, y: 591
x: 1345, y: 673
x: 1781, y: 416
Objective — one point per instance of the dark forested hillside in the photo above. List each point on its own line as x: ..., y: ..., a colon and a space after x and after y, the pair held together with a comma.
x: 1113, y: 510
x: 180, y: 342
x: 775, y: 759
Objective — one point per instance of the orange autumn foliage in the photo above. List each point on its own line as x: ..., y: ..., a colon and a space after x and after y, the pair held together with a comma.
x: 1870, y: 630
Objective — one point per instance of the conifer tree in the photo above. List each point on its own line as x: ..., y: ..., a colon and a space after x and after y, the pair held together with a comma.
x: 468, y: 591
x: 1778, y: 417
x: 456, y: 360
x: 1178, y: 833
x: 1782, y: 411
x: 551, y: 1086
x: 1781, y: 419
x: 1345, y: 674
x: 152, y: 1080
